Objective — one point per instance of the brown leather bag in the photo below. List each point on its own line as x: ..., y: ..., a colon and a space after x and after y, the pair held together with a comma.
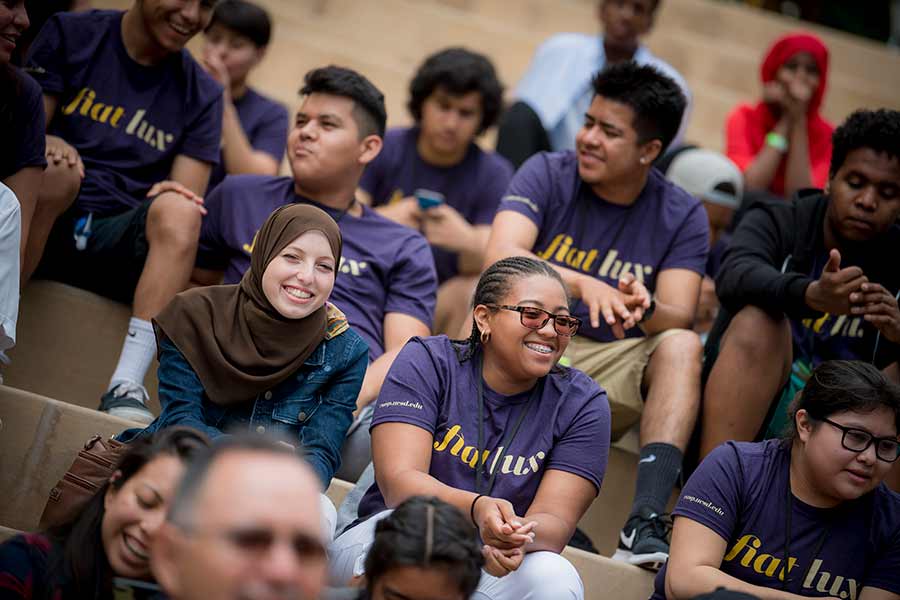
x: 93, y: 466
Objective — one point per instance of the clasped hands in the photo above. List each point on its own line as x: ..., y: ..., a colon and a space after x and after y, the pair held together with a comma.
x: 621, y: 307
x: 505, y: 535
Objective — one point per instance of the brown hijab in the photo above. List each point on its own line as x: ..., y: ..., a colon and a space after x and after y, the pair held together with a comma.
x: 231, y: 335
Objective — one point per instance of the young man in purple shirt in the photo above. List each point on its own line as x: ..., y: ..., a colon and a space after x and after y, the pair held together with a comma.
x: 254, y: 127
x: 632, y: 248
x: 453, y: 97
x: 386, y: 283
x: 127, y: 108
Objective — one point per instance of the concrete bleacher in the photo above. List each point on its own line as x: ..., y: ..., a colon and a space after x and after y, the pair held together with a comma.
x: 40, y: 437
x: 716, y: 45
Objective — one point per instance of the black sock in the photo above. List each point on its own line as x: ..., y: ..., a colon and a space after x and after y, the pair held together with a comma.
x: 658, y: 470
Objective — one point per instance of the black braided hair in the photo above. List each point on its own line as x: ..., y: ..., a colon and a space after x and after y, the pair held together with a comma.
x: 494, y: 284
x: 426, y: 532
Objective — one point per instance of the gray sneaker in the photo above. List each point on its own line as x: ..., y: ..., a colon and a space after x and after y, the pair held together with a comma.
x: 127, y: 401
x: 644, y: 541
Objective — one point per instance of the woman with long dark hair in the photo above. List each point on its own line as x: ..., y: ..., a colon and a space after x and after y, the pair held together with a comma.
x: 494, y: 427
x: 111, y: 536
x: 800, y: 517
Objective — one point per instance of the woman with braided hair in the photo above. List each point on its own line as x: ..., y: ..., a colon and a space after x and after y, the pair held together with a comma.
x: 493, y: 426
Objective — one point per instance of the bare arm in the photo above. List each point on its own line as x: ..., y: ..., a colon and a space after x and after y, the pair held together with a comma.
x: 695, y: 556
x: 677, y: 294
x: 25, y: 184
x: 761, y: 172
x: 50, y: 104
x: 402, y: 456
x: 561, y: 500
x: 398, y: 328
x: 873, y: 593
x: 797, y: 174
x: 191, y: 173
x: 239, y: 154
x: 472, y: 259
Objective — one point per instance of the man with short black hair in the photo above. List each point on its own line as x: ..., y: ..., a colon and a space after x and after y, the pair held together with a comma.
x: 386, y: 283
x: 632, y: 248
x: 812, y: 280
x: 555, y: 92
x: 454, y: 97
x: 245, y: 522
x: 127, y: 108
x: 254, y: 127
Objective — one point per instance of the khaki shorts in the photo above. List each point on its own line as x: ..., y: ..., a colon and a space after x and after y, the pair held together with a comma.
x: 619, y: 369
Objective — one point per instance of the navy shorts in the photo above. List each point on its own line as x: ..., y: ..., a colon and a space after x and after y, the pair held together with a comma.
x: 104, y: 255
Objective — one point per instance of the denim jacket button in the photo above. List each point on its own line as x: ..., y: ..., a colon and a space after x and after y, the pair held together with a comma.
x: 260, y: 429
x: 267, y: 395
x: 302, y: 416
x: 326, y: 368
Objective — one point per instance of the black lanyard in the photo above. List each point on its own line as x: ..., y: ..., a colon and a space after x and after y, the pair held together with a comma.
x: 535, y: 392
x: 789, y: 506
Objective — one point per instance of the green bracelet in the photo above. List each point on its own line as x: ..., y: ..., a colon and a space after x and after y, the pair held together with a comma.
x: 777, y: 141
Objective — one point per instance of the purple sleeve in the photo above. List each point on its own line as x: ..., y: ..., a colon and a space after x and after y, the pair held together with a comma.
x: 212, y: 252
x: 412, y: 288
x: 47, y: 58
x: 587, y: 436
x: 529, y: 191
x: 271, y: 137
x: 494, y: 184
x: 203, y: 136
x: 712, y: 496
x: 690, y: 246
x: 412, y: 389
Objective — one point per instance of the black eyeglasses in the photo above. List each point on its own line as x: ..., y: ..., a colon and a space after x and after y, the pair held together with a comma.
x: 536, y: 318
x: 859, y: 440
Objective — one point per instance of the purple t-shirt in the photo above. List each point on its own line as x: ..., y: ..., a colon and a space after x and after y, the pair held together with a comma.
x: 28, y: 129
x: 665, y: 227
x: 265, y: 123
x: 385, y: 267
x: 740, y: 492
x: 567, y: 427
x: 473, y: 187
x: 128, y: 121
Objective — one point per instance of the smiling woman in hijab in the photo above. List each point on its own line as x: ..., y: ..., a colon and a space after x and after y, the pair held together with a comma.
x: 783, y: 143
x: 268, y: 354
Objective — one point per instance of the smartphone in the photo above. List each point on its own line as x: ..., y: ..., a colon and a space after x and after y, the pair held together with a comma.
x: 428, y: 198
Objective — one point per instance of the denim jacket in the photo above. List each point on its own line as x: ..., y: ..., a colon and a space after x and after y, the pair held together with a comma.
x: 314, y: 408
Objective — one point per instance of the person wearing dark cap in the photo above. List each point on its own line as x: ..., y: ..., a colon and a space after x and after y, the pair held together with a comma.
x: 254, y: 127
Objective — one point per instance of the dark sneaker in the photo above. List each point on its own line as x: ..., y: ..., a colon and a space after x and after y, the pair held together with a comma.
x: 127, y: 401
x: 644, y: 541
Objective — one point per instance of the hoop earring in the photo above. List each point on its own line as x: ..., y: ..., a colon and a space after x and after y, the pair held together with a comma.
x: 485, y: 337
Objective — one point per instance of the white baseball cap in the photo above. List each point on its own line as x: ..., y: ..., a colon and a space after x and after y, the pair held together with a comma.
x: 708, y: 175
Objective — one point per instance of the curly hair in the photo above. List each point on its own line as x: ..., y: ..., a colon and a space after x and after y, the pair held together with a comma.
x: 875, y: 129
x: 657, y: 101
x: 459, y: 71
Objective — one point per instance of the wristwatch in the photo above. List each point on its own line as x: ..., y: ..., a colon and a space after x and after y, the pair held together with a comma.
x: 648, y: 313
